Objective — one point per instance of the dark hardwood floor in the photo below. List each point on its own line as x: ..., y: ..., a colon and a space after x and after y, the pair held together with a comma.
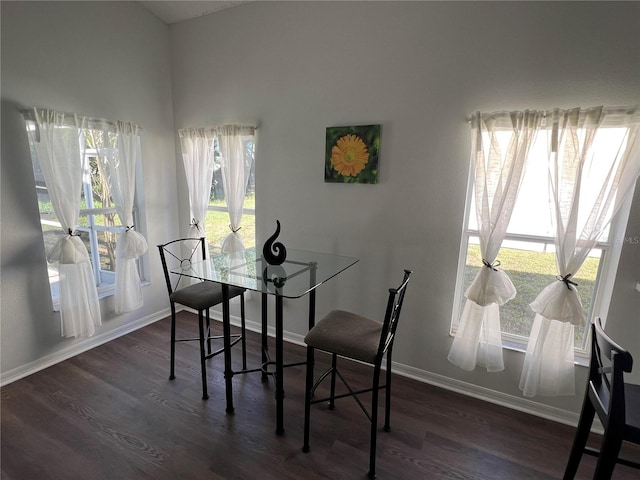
x: 112, y: 413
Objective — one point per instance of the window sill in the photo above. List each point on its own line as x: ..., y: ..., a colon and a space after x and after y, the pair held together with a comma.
x: 103, y: 292
x: 579, y: 358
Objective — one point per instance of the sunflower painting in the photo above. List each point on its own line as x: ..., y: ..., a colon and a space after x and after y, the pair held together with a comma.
x: 352, y: 154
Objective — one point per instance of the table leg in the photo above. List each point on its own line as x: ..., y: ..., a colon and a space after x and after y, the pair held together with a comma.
x: 265, y: 337
x: 312, y: 309
x: 313, y: 266
x: 226, y: 327
x: 279, y: 368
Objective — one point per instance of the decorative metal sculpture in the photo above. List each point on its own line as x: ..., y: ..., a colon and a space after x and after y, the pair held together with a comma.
x: 274, y: 252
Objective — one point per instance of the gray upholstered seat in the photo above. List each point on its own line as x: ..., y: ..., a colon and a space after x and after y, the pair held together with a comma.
x: 202, y: 295
x: 346, y: 334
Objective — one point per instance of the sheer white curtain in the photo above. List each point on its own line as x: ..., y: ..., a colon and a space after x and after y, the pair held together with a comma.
x: 497, y: 174
x: 57, y: 144
x: 198, y: 156
x: 235, y: 168
x: 119, y: 165
x: 587, y: 186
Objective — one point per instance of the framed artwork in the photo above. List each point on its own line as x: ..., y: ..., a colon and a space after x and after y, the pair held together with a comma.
x: 352, y: 154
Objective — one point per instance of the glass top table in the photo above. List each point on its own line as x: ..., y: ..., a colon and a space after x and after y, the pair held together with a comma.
x: 300, y: 274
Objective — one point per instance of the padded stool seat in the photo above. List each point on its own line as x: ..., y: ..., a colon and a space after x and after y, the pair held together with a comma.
x: 202, y: 295
x: 346, y: 334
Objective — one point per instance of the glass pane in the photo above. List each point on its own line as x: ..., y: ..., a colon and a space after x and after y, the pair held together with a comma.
x: 532, y: 211
x: 533, y: 208
x: 106, y: 240
x: 96, y: 193
x: 108, y: 220
x: 51, y: 229
x: 218, y: 221
x: 107, y: 249
x: 217, y: 189
x: 51, y: 235
x: 531, y: 267
x: 217, y: 197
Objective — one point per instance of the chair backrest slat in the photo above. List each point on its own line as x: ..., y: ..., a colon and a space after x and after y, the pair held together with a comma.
x: 392, y: 315
x: 178, y: 252
x: 609, y: 362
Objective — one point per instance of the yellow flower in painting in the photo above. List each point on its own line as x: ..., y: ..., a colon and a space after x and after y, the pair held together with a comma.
x: 349, y: 155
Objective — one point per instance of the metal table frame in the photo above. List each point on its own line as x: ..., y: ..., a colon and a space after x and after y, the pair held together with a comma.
x: 267, y: 283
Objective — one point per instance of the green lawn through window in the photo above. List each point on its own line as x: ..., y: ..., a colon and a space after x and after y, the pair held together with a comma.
x: 217, y: 224
x: 530, y: 272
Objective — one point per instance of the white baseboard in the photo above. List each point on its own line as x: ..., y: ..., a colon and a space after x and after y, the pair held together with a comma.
x: 492, y: 396
x: 79, y: 347
x: 475, y: 391
x: 488, y: 395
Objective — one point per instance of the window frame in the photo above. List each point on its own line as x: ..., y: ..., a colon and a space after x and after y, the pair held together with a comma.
x: 603, y: 285
x: 223, y: 209
x: 104, y: 287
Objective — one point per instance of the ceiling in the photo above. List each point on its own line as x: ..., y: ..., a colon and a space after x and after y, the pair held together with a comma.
x: 177, y: 11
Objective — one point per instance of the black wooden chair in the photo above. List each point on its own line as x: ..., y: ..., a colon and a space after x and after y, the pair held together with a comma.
x: 616, y: 403
x: 198, y: 295
x: 358, y: 338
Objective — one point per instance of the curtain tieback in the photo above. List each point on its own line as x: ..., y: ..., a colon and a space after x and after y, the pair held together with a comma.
x: 71, y: 234
x: 234, y: 231
x: 566, y: 280
x: 492, y: 266
x: 195, y: 223
x: 127, y: 228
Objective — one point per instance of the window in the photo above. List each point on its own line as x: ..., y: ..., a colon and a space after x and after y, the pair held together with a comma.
x: 217, y: 222
x: 99, y: 226
x: 527, y: 254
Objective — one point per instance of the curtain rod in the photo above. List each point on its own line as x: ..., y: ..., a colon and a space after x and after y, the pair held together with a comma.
x: 616, y: 110
x: 470, y: 117
x: 217, y: 127
x: 28, y: 113
x: 210, y: 132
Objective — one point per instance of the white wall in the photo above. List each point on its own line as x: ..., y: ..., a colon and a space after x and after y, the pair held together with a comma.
x: 419, y: 69
x: 296, y: 68
x: 98, y: 59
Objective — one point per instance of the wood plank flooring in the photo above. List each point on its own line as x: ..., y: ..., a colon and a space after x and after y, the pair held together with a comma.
x: 112, y: 413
